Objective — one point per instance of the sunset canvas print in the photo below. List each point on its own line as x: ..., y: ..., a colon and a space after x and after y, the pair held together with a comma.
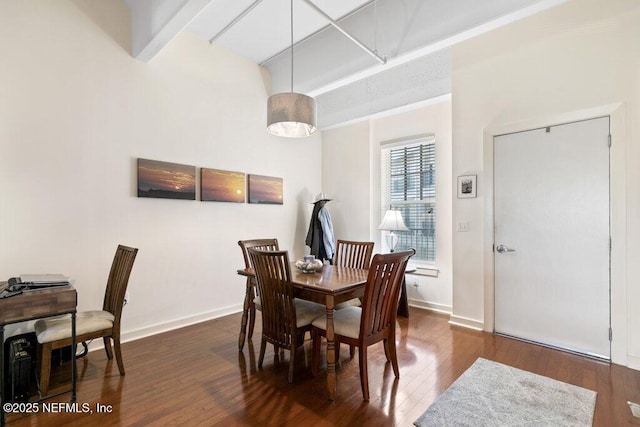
x: 166, y: 180
x: 221, y: 186
x: 265, y: 190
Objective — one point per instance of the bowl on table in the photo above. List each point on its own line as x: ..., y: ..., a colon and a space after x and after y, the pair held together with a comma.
x: 309, y: 264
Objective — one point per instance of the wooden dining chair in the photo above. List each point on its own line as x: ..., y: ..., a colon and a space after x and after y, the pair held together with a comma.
x: 373, y: 322
x: 354, y: 255
x: 55, y: 332
x: 251, y: 300
x: 284, y: 318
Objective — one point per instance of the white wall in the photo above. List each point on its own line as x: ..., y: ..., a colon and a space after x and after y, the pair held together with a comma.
x: 351, y: 175
x: 576, y: 61
x: 76, y: 111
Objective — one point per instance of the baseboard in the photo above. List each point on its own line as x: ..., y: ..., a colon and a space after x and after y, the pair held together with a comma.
x: 170, y: 326
x: 633, y: 362
x: 431, y: 306
x: 466, y: 323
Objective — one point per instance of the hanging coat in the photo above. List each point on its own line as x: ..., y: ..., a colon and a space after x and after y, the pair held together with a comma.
x: 320, y: 237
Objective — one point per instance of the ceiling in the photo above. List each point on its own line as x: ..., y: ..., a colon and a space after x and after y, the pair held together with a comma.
x: 404, y: 55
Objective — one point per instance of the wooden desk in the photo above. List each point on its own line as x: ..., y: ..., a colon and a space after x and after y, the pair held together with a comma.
x: 36, y: 304
x: 329, y: 287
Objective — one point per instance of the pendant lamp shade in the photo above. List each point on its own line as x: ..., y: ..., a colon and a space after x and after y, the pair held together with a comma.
x: 292, y: 115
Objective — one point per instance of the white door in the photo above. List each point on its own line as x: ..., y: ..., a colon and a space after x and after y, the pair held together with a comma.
x: 551, y: 247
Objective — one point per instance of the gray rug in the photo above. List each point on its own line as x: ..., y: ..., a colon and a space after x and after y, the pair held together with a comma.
x: 493, y: 394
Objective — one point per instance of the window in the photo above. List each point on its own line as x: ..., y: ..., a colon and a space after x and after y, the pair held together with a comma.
x: 409, y: 186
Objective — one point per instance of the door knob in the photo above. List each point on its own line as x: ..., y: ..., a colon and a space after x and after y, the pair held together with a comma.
x: 503, y: 249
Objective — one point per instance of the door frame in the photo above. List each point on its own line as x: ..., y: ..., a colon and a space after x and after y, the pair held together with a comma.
x: 617, y: 207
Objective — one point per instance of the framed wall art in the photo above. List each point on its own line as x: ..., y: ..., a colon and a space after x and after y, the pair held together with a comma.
x: 166, y: 180
x: 467, y: 186
x: 265, y: 190
x: 221, y: 186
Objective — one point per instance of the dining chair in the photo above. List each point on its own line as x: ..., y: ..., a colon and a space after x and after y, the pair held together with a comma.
x: 355, y: 255
x: 251, y: 300
x: 285, y: 319
x: 373, y: 322
x: 55, y: 332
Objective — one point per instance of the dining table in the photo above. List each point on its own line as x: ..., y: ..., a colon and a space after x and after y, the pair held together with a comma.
x: 329, y: 286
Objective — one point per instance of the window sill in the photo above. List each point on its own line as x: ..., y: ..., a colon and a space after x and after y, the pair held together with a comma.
x: 423, y: 270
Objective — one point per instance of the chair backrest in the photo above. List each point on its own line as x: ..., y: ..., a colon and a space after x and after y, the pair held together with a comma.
x: 262, y: 244
x: 382, y: 291
x: 273, y: 276
x: 118, y: 281
x: 353, y: 254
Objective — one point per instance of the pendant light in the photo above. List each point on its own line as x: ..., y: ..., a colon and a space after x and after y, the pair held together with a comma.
x: 292, y: 115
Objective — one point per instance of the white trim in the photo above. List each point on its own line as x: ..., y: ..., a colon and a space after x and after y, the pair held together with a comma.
x: 170, y: 326
x: 425, y: 271
x: 430, y: 306
x: 633, y: 362
x: 465, y: 322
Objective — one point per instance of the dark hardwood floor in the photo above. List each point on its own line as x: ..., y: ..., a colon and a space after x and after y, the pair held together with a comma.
x: 196, y: 376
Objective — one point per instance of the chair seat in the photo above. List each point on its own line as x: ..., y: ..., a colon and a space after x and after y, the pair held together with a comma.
x: 355, y: 302
x: 346, y: 322
x: 58, y: 328
x: 307, y: 312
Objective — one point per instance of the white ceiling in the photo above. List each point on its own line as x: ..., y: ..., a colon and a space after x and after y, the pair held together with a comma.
x: 415, y: 37
x: 265, y: 31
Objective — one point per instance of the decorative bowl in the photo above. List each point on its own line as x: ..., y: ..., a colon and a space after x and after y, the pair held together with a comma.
x: 309, y: 264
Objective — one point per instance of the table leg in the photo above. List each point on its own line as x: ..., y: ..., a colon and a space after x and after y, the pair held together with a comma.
x: 2, y: 396
x: 403, y: 303
x: 73, y: 357
x: 245, y: 315
x: 331, y: 351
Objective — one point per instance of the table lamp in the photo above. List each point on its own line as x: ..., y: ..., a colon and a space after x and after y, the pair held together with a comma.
x: 391, y: 222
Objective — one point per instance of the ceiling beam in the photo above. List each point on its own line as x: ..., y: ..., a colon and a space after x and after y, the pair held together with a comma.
x: 156, y: 22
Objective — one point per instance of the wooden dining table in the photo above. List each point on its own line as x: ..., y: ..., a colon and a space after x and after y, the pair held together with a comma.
x: 331, y: 286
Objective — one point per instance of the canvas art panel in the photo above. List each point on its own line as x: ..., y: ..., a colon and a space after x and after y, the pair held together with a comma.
x: 265, y: 190
x: 166, y: 180
x: 221, y: 186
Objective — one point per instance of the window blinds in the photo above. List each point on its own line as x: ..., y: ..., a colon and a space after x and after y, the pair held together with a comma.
x: 409, y: 185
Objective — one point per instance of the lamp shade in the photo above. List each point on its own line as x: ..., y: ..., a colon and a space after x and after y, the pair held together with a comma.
x: 292, y: 115
x: 392, y: 221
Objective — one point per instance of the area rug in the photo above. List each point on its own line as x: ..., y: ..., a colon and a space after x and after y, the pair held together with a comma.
x: 493, y: 394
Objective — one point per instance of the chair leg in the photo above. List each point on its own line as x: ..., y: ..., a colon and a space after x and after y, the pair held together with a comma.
x: 245, y: 314
x: 45, y: 368
x: 364, y: 376
x: 276, y: 357
x: 292, y: 361
x: 252, y: 320
x: 107, y: 347
x: 315, y: 361
x: 337, y: 350
x: 352, y: 351
x: 118, y: 351
x: 263, y: 348
x: 390, y: 343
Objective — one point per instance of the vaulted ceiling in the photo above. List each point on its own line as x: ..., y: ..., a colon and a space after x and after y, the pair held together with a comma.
x: 357, y: 57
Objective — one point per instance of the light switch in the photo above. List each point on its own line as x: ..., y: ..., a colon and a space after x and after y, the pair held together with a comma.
x: 463, y: 226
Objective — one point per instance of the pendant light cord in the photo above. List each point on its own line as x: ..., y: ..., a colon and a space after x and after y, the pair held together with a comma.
x: 291, y: 9
x: 375, y: 26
